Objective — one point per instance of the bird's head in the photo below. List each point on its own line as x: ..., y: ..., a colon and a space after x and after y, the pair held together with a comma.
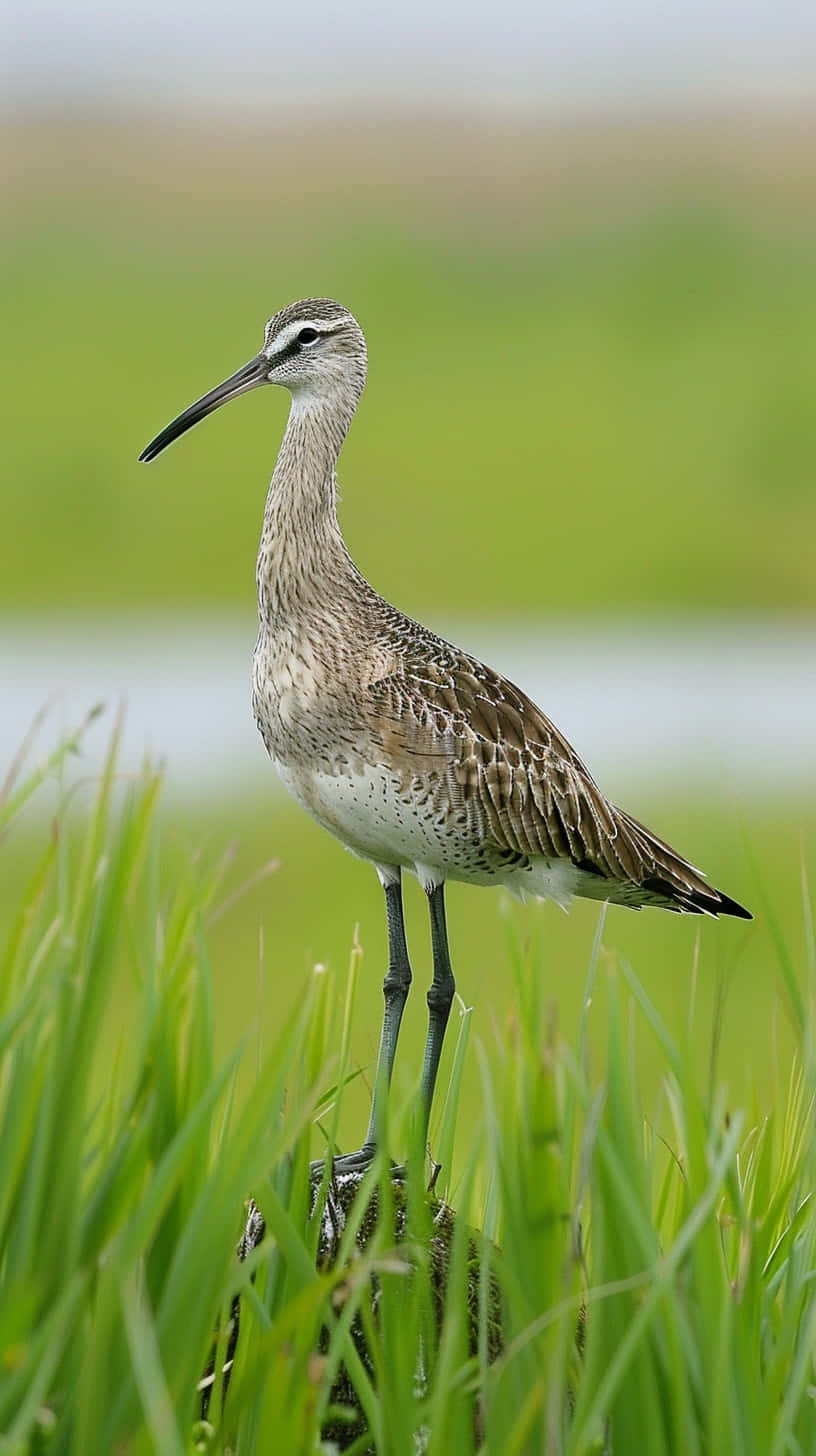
x: 314, y: 348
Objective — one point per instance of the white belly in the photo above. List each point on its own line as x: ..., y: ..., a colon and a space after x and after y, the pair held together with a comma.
x: 369, y: 812
x: 379, y: 819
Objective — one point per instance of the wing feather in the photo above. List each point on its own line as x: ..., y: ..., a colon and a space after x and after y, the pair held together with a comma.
x: 449, y: 715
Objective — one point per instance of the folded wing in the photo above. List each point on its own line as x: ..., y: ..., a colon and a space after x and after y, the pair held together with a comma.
x: 450, y: 717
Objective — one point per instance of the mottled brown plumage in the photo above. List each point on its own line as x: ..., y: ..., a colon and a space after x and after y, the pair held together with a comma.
x: 349, y: 692
x: 413, y: 753
x: 534, y: 796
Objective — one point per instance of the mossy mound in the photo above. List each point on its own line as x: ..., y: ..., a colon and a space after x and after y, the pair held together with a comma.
x: 346, y: 1422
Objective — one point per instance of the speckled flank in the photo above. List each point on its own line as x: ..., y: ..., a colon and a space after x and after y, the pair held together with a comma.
x: 411, y: 752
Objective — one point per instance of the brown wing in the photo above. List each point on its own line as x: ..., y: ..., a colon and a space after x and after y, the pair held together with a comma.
x: 452, y: 718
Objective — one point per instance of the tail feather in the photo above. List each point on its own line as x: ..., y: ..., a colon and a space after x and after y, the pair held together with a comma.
x: 669, y: 880
x: 695, y: 902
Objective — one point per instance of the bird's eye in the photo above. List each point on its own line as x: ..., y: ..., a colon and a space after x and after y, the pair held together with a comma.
x: 307, y: 336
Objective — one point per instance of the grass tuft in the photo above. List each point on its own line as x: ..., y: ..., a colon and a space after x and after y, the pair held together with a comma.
x: 615, y: 1277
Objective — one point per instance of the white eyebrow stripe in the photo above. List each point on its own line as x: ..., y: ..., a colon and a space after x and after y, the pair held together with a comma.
x: 288, y: 335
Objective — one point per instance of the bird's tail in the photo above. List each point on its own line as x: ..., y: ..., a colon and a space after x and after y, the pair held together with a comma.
x: 666, y: 879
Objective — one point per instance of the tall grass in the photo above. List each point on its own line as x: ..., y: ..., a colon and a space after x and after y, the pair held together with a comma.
x: 652, y: 1269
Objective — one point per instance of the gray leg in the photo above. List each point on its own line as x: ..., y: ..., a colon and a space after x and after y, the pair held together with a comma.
x: 440, y: 998
x: 396, y: 986
x: 395, y: 991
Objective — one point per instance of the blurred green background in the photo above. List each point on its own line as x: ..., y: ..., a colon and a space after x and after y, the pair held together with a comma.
x: 590, y: 391
x: 592, y: 376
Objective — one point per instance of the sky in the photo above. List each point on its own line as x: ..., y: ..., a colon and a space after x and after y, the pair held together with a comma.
x: 320, y: 54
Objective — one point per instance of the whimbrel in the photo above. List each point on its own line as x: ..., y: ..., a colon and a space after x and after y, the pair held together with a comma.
x: 413, y: 753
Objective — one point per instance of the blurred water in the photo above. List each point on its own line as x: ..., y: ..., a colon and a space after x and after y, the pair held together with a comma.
x: 697, y: 708
x: 253, y: 55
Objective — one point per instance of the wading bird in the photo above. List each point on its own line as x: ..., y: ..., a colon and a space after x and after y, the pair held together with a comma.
x: 414, y: 754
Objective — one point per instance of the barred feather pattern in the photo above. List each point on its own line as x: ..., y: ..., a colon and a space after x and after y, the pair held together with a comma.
x: 455, y: 725
x: 412, y: 752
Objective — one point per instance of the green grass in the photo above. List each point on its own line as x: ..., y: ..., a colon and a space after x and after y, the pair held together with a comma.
x: 636, y: 380
x: 292, y: 897
x: 318, y: 898
x: 611, y: 414
x: 127, y: 1151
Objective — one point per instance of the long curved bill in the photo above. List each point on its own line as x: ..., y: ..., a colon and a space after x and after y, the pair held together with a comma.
x: 248, y: 377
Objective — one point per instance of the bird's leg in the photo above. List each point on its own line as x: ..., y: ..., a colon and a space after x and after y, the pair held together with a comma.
x: 396, y: 986
x: 395, y: 991
x: 440, y: 998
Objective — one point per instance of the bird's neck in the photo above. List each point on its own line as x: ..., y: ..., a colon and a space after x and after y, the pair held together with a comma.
x: 302, y: 557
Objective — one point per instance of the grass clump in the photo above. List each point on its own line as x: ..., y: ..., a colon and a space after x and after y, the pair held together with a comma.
x: 615, y: 1277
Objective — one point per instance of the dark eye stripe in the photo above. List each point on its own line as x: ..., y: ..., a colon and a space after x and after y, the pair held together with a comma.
x: 288, y: 353
x: 292, y: 348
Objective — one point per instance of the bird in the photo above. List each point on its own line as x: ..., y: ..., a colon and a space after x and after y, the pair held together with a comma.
x: 417, y: 756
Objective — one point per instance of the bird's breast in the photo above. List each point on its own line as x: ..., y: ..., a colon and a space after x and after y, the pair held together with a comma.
x: 303, y: 700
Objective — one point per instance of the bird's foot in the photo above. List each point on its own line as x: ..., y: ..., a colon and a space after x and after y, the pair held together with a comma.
x: 357, y: 1163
